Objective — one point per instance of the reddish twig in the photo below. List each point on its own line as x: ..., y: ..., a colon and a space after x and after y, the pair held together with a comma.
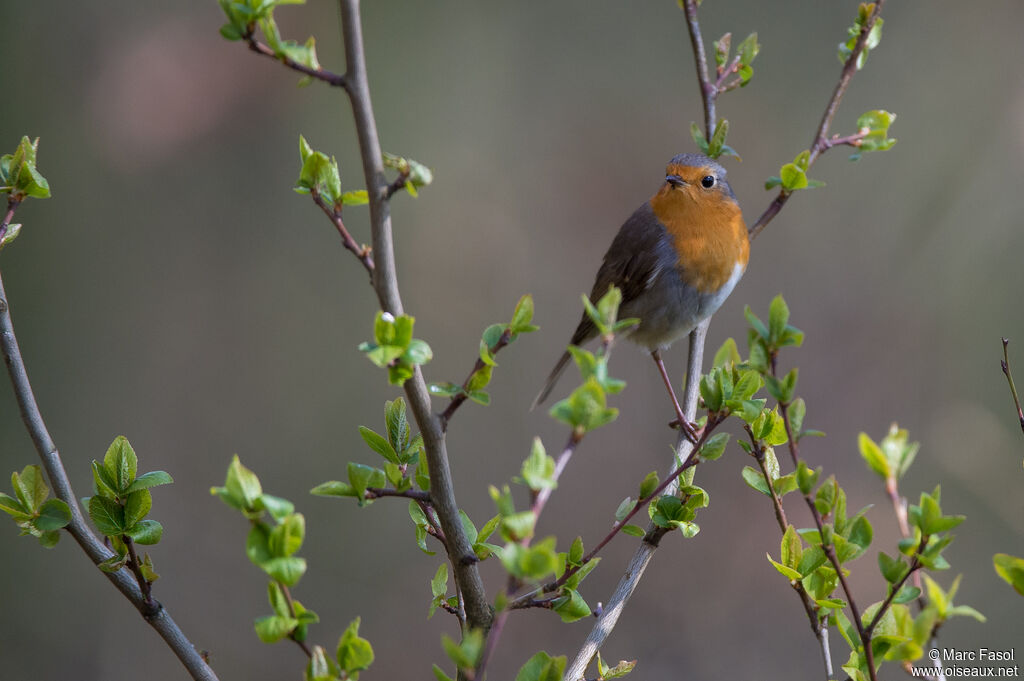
x: 1005, y: 362
x: 363, y: 253
x: 456, y: 402
x: 321, y: 74
x: 820, y: 142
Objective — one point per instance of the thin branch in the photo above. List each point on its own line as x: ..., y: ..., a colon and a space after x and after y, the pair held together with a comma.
x: 385, y: 282
x: 291, y: 609
x: 414, y: 494
x: 321, y: 74
x: 652, y: 537
x: 154, y: 613
x: 914, y: 566
x: 708, y: 91
x: 361, y: 252
x: 136, y: 568
x: 1009, y: 377
x: 503, y: 340
x: 810, y: 607
x: 820, y: 142
x: 12, y: 205
x: 609, y: 616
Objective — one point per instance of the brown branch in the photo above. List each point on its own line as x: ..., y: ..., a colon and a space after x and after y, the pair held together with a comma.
x: 1009, y: 377
x: 820, y: 142
x: 708, y: 91
x: 414, y: 494
x: 692, y: 460
x: 291, y: 610
x: 385, y: 283
x: 321, y: 74
x: 810, y: 607
x: 363, y: 253
x: 12, y: 205
x: 136, y: 568
x: 503, y: 340
x: 125, y: 582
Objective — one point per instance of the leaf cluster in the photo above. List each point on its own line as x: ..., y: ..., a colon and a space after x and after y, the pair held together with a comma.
x: 394, y: 348
x: 31, y: 510
x: 121, y: 502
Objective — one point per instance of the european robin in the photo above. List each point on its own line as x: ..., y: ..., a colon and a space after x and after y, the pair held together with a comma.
x: 676, y: 259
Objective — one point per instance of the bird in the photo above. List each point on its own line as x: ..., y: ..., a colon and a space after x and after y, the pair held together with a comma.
x: 676, y: 259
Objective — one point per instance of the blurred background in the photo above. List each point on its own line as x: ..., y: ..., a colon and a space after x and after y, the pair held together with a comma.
x: 175, y: 290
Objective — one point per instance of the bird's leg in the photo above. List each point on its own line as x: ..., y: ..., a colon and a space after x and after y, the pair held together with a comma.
x: 684, y: 423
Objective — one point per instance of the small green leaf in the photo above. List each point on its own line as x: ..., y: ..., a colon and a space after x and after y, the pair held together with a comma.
x: 379, y: 444
x: 146, y: 532
x: 151, y: 479
x: 786, y: 571
x: 1011, y: 570
x: 273, y: 628
x: 714, y: 447
x: 107, y: 515
x: 542, y: 667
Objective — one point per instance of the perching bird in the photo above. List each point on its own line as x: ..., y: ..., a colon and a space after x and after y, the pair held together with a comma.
x: 676, y: 259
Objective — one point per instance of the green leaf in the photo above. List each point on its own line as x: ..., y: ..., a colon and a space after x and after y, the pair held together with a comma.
x: 718, y: 138
x: 146, y: 532
x: 440, y: 675
x: 571, y: 607
x: 107, y: 515
x: 151, y: 479
x: 466, y: 653
x: 273, y: 628
x: 355, y: 198
x: 586, y: 408
x: 287, y: 537
x: 648, y: 484
x: 778, y: 318
x: 698, y: 138
x: 1011, y: 570
x: 121, y: 463
x: 522, y: 316
x: 872, y: 454
x: 786, y: 571
x: 755, y: 480
x: 379, y: 444
x: 30, y: 488
x: 542, y: 667
x: 288, y: 570
x: 727, y: 355
x: 446, y: 389
x: 361, y: 476
x: 714, y: 447
x: 893, y: 569
x: 539, y: 469
x: 136, y: 507
x: 791, y: 548
x: 13, y: 507
x: 334, y: 488
x: 53, y: 515
x: 278, y: 508
x: 242, y: 484
x: 633, y: 530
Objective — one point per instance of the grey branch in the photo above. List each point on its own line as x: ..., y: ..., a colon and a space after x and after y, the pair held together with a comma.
x: 155, y: 614
x: 385, y: 283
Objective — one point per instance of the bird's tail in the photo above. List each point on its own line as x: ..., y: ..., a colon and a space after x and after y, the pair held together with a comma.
x: 549, y: 384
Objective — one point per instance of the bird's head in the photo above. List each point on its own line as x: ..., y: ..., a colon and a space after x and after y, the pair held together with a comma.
x: 697, y: 178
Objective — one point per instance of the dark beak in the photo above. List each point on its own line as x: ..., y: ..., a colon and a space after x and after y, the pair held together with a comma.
x: 675, y: 180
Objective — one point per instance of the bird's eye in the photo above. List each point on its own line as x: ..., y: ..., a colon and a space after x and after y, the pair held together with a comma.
x: 708, y: 181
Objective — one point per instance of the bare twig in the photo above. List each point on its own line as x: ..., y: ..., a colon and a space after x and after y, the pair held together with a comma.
x: 152, y: 611
x: 1009, y: 377
x: 335, y: 79
x: 810, y: 607
x: 414, y: 494
x: 361, y: 252
x: 385, y: 282
x: 820, y: 142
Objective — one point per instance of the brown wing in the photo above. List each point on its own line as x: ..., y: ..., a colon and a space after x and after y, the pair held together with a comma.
x: 638, y: 252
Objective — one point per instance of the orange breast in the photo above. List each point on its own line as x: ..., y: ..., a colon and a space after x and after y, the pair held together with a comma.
x: 708, y: 231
